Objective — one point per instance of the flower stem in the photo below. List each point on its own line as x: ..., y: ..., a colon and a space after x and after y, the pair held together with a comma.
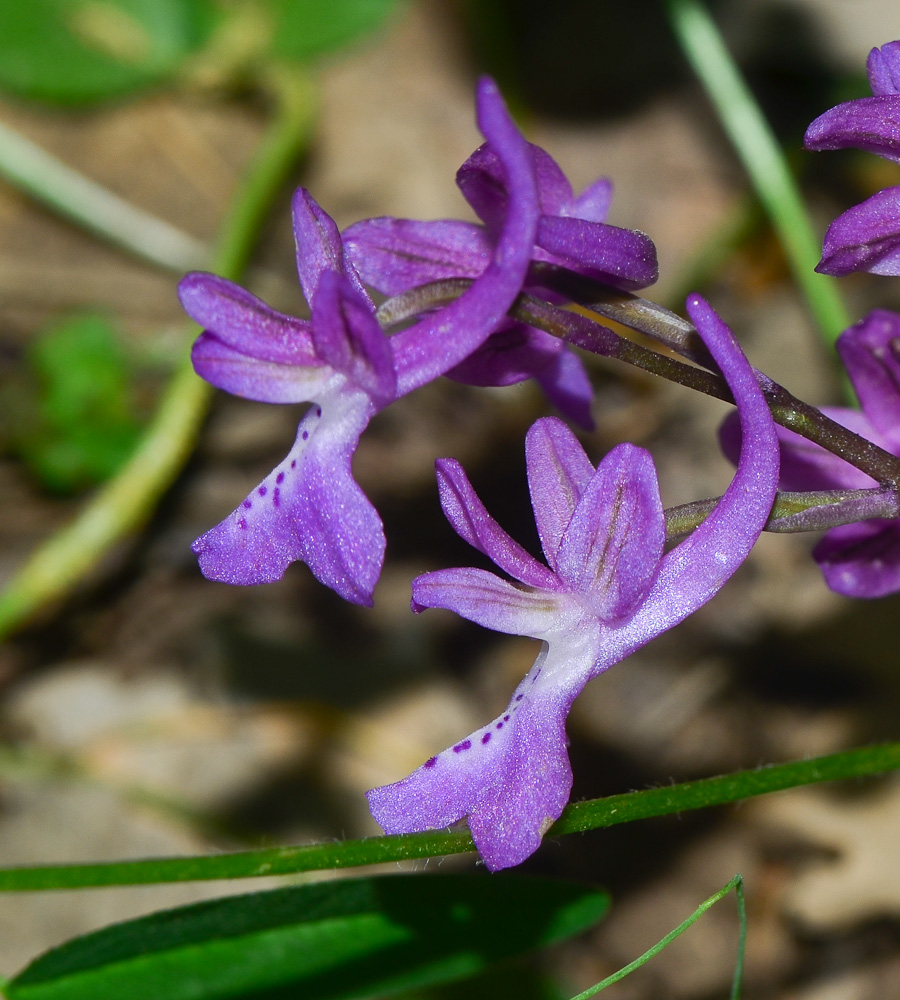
x: 126, y: 502
x: 762, y: 157
x: 669, y: 329
x: 81, y: 200
x: 577, y: 818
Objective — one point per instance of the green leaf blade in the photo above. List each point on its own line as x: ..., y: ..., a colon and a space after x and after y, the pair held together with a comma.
x: 321, y: 942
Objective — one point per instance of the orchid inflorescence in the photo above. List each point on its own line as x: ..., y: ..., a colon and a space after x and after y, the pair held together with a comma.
x: 485, y: 304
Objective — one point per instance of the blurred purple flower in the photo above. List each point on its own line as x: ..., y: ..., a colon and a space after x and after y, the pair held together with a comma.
x: 310, y: 508
x: 867, y: 236
x: 860, y: 559
x: 394, y: 255
x: 608, y: 588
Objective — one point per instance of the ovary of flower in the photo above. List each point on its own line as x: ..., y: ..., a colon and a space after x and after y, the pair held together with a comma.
x: 607, y: 588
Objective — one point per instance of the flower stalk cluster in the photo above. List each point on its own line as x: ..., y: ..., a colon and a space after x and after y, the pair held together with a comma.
x: 488, y: 304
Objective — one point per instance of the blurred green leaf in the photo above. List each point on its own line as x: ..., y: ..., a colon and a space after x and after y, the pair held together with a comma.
x: 350, y: 938
x: 308, y: 28
x: 79, y: 51
x: 78, y: 425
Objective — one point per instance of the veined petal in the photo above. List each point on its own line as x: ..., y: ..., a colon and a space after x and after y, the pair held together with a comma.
x: 865, y: 237
x: 488, y: 600
x: 558, y: 474
x: 692, y: 572
x: 511, y: 779
x: 443, y: 339
x: 611, y: 549
x: 870, y: 351
x: 869, y: 123
x: 483, y: 184
x: 569, y: 388
x: 267, y: 381
x: 394, y: 255
x: 308, y: 508
x: 862, y: 559
x: 319, y: 247
x: 347, y: 336
x: 623, y: 258
x: 474, y: 524
x: 244, y: 322
x: 883, y: 67
x: 593, y: 203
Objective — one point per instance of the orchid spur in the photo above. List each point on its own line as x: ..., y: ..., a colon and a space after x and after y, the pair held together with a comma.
x: 607, y: 589
x: 309, y: 507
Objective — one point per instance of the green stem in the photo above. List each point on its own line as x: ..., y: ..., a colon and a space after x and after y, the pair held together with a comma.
x: 122, y: 505
x: 81, y: 200
x: 762, y: 157
x: 577, y: 818
x: 737, y: 883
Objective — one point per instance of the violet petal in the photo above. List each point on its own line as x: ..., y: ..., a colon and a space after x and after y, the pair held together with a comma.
x: 308, y: 508
x: 865, y: 238
x: 883, y: 67
x: 488, y: 600
x: 869, y: 123
x: 347, y: 336
x: 471, y: 521
x: 511, y: 779
x: 862, y: 559
x: 624, y: 258
x: 319, y: 246
x: 266, y: 381
x: 394, y: 255
x: 244, y: 322
x: 568, y: 387
x: 870, y: 351
x: 612, y: 546
x: 558, y: 474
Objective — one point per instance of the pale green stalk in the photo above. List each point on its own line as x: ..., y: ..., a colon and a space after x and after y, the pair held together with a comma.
x: 126, y: 502
x: 762, y: 157
x: 737, y: 883
x: 93, y: 207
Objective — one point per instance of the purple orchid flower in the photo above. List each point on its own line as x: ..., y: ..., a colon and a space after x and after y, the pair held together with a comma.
x: 607, y: 589
x: 860, y: 559
x: 867, y: 236
x: 309, y: 507
x: 394, y: 255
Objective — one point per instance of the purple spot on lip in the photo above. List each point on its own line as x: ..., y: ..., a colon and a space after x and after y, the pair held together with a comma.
x: 318, y: 411
x: 519, y: 697
x: 462, y: 746
x: 280, y: 478
x: 242, y: 524
x: 430, y: 762
x: 305, y: 436
x: 499, y: 725
x: 262, y: 491
x: 276, y: 497
x: 486, y: 738
x: 506, y: 718
x: 294, y: 460
x: 248, y: 504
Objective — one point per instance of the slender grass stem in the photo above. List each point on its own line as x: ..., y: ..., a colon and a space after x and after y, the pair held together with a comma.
x: 93, y: 207
x: 762, y: 157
